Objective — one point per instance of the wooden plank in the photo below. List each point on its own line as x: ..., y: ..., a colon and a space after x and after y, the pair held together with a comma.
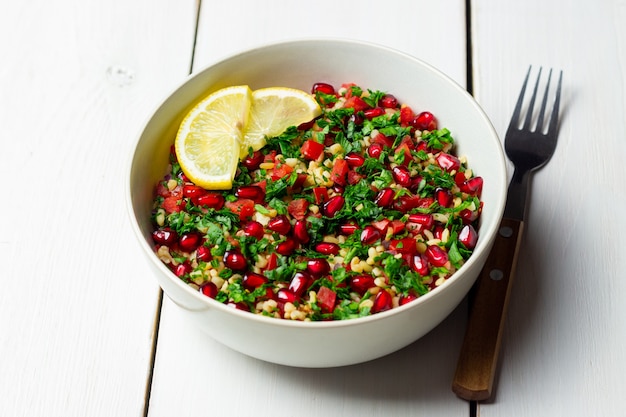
x: 77, y: 302
x: 563, y: 353
x: 193, y: 374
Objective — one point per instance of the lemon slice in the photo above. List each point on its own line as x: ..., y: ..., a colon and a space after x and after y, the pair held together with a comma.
x: 210, y: 137
x: 274, y: 109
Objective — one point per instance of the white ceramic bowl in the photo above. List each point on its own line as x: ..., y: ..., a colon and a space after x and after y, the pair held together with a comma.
x: 299, y: 64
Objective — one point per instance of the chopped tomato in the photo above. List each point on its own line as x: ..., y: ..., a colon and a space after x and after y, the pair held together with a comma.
x: 298, y: 208
x: 320, y: 194
x: 354, y: 177
x: 326, y: 299
x: 357, y: 103
x: 406, y: 115
x: 272, y: 262
x: 262, y: 184
x: 405, y: 245
x: 339, y: 171
x: 383, y: 140
x: 244, y: 207
x: 299, y: 182
x: 173, y: 204
x: 381, y: 225
x: 281, y: 171
x: 348, y: 88
x: 403, y: 154
x: 312, y: 149
x: 270, y: 156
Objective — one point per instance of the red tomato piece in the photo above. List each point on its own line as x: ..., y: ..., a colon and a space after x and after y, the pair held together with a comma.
x: 312, y: 149
x: 272, y: 262
x: 406, y: 115
x: 320, y: 194
x: 357, y: 103
x: 243, y: 207
x: 298, y: 208
x: 281, y: 171
x: 326, y: 299
x: 173, y: 204
x: 339, y: 171
x: 404, y: 150
x: 406, y: 245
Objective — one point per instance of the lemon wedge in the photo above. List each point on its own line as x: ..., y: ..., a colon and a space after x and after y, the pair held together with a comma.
x: 209, y: 140
x: 274, y: 109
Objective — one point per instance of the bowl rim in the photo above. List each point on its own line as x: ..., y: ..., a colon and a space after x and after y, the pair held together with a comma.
x: 429, y: 297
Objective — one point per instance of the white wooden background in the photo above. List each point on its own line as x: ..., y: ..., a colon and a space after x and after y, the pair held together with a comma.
x: 78, y: 307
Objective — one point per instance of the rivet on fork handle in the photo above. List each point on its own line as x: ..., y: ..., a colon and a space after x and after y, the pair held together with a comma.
x: 483, y: 335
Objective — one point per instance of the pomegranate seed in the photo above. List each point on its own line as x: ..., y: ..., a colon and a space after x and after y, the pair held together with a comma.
x: 436, y: 256
x: 165, y: 236
x: 318, y: 267
x: 327, y: 248
x: 459, y: 178
x: 401, y: 175
x: 286, y: 247
x: 209, y: 289
x: 425, y: 121
x: 425, y: 220
x: 300, y: 282
x: 448, y: 162
x: 374, y: 150
x: 407, y: 298
x: 211, y: 200
x: 193, y: 191
x: 286, y: 296
x: 444, y: 197
x: 253, y: 161
x: 420, y: 265
x: 323, y: 88
x: 468, y: 215
x: 357, y: 119
x: 182, y: 269
x: 188, y: 242
x: 468, y: 236
x: 473, y: 186
x: 375, y: 112
x: 252, y: 280
x: 389, y: 101
x: 384, y: 198
x: 279, y: 224
x: 253, y: 229
x: 203, y: 254
x: 348, y: 228
x: 354, y: 159
x: 333, y: 205
x: 251, y: 192
x: 382, y: 302
x: 238, y: 306
x: 416, y: 184
x: 235, y: 260
x: 369, y: 235
x: 361, y: 283
x: 300, y: 231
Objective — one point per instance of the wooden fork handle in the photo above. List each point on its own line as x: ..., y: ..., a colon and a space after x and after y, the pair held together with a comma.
x: 488, y: 300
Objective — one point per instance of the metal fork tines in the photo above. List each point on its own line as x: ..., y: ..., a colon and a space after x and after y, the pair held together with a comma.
x: 528, y: 147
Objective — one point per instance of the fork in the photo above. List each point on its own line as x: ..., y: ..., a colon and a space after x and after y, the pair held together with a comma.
x: 528, y: 149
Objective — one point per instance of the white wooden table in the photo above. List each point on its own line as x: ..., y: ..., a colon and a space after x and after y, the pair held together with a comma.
x: 84, y: 330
